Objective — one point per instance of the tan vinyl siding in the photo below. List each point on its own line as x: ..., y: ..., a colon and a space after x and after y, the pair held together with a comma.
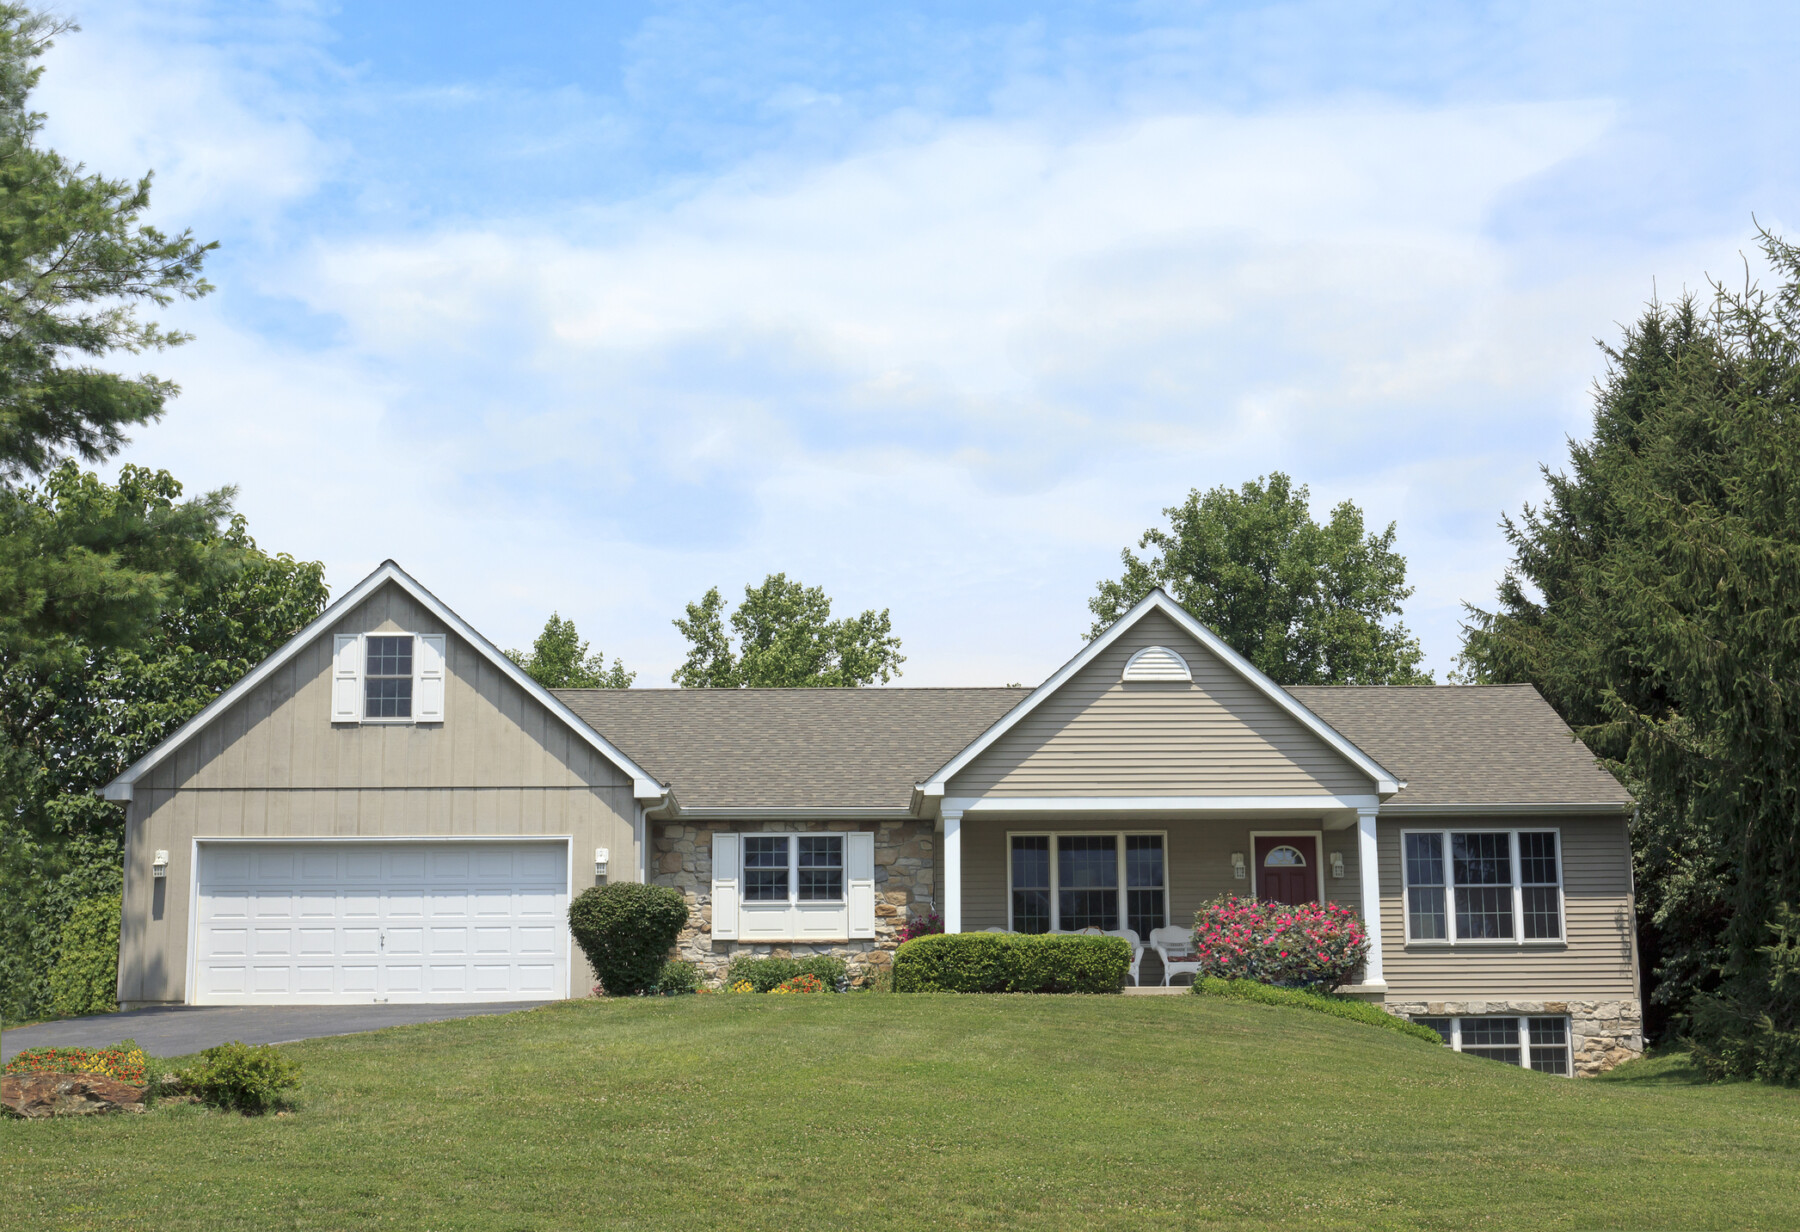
x: 274, y: 765
x: 1197, y: 861
x: 1099, y: 736
x: 1596, y: 961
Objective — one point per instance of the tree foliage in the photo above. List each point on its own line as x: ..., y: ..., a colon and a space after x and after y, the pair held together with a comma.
x: 1306, y: 603
x: 1654, y: 598
x: 76, y: 261
x: 785, y: 639
x: 559, y: 659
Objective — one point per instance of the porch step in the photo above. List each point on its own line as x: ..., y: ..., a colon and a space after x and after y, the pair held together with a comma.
x: 1157, y: 990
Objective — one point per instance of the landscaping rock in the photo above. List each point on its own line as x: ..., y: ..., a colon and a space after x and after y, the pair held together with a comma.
x: 47, y: 1095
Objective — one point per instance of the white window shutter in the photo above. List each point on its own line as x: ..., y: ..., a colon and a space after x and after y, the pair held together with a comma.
x: 859, y: 864
x: 725, y: 886
x: 428, y: 678
x: 346, y: 679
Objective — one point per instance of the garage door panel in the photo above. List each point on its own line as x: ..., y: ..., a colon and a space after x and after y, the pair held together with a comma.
x: 359, y: 922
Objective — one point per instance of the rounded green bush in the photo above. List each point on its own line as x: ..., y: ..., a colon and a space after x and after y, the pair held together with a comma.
x: 238, y: 1076
x: 626, y: 929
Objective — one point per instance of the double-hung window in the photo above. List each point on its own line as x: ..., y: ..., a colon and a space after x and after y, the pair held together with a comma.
x: 793, y: 868
x: 388, y: 677
x: 1482, y: 885
x: 1068, y: 882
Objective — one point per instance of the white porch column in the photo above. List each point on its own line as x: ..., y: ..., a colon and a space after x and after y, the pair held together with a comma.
x: 1371, y: 894
x: 952, y: 871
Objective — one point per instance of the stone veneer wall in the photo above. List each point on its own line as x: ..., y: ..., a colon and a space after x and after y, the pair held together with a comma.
x: 1602, y: 1033
x: 681, y: 857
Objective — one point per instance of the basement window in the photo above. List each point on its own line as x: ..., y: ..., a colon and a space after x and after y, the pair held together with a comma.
x: 1531, y: 1041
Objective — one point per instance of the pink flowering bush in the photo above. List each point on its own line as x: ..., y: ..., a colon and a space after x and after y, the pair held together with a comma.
x: 1318, y: 946
x: 926, y: 924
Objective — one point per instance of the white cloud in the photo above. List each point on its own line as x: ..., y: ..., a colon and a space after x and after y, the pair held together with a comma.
x: 951, y: 373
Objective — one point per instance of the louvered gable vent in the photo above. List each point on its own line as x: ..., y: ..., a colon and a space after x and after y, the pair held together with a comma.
x: 1157, y: 663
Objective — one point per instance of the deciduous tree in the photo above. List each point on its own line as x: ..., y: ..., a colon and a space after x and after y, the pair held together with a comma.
x: 785, y: 639
x: 559, y: 659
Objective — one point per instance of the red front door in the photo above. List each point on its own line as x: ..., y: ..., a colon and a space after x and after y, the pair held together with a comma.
x: 1287, y: 869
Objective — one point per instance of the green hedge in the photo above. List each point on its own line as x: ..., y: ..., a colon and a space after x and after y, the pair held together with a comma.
x: 1293, y: 998
x: 85, y: 979
x: 1011, y: 962
x: 766, y: 973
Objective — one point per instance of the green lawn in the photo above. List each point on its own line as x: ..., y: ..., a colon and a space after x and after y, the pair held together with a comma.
x: 924, y: 1112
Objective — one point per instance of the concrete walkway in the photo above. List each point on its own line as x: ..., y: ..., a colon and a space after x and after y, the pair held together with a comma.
x: 177, y: 1030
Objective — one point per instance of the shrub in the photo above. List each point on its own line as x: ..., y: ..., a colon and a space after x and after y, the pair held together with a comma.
x: 85, y: 979
x: 1319, y: 1003
x: 678, y: 977
x: 124, y: 1061
x: 1313, y: 945
x: 926, y: 924
x: 238, y: 1076
x: 766, y: 974
x: 626, y: 929
x: 1008, y: 962
x: 800, y: 983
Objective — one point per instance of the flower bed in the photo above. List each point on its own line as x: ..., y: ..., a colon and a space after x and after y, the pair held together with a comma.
x: 124, y: 1061
x: 800, y: 984
x: 1314, y: 945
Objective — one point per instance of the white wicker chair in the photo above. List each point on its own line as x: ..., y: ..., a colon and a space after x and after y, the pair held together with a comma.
x: 1170, y: 942
x: 1137, y: 949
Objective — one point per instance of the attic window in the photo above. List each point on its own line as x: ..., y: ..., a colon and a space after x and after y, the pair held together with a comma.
x: 1157, y: 663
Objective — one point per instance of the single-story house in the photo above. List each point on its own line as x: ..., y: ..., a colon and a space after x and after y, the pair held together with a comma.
x: 389, y: 809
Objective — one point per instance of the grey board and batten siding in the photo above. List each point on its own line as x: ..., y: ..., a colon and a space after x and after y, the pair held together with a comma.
x: 1594, y: 963
x: 1197, y: 864
x: 274, y: 765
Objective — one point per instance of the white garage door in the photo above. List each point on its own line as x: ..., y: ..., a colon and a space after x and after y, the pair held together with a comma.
x: 348, y: 923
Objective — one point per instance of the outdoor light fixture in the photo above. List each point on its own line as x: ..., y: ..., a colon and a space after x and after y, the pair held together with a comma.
x: 600, y: 861
x: 1237, y: 865
x: 1337, y: 864
x: 159, y: 867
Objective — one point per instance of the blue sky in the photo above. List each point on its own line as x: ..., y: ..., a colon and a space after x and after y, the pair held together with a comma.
x: 587, y: 308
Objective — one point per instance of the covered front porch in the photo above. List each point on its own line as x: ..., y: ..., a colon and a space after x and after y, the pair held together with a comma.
x: 1115, y: 866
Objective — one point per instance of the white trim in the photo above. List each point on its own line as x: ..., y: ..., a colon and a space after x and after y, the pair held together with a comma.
x: 193, y: 930
x: 1154, y: 804
x: 1450, y: 939
x: 798, y: 813
x: 1122, y: 888
x: 644, y: 784
x: 952, y: 870
x: 1318, y: 838
x: 1478, y: 810
x: 1385, y: 783
x: 1368, y: 871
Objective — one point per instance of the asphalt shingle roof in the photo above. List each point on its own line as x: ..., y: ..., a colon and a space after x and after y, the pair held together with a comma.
x: 791, y: 748
x: 865, y: 748
x: 1466, y: 744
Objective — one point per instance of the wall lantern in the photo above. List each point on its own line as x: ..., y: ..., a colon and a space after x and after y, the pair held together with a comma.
x: 1237, y: 865
x: 159, y: 867
x: 1337, y: 864
x: 600, y: 854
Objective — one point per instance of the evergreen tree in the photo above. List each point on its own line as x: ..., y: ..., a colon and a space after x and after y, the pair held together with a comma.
x: 1655, y: 600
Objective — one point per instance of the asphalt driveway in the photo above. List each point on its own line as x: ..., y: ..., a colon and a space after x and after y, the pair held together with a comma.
x: 176, y: 1030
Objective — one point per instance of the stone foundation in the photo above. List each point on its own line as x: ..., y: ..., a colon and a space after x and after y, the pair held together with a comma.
x: 681, y: 857
x: 1602, y: 1034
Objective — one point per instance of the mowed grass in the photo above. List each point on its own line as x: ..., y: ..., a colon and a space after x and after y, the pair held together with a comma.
x: 923, y: 1112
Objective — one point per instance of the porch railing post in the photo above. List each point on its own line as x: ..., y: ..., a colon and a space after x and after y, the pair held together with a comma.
x: 1366, y: 864
x: 952, y: 871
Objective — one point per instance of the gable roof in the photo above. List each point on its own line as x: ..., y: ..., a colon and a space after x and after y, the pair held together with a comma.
x: 1481, y: 745
x: 644, y: 785
x: 763, y: 750
x: 1386, y: 784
